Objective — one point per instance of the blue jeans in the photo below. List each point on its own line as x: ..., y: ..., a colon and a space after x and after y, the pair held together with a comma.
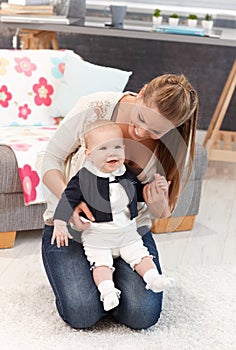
x: 77, y: 297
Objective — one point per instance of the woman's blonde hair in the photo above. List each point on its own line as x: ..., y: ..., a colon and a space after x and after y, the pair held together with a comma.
x: 177, y: 101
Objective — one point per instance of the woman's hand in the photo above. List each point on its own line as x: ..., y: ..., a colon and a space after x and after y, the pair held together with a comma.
x: 156, y: 196
x: 77, y: 220
x: 60, y: 233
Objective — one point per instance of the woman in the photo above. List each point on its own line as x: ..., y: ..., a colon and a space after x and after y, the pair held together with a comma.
x: 159, y: 125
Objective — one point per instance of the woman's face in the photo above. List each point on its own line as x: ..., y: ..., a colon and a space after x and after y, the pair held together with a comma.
x: 147, y: 123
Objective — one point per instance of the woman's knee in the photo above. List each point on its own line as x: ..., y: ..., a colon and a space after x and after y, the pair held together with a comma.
x: 80, y: 314
x: 80, y: 305
x: 141, y: 312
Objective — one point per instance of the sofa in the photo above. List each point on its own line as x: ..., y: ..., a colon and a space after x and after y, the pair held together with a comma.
x: 37, y: 89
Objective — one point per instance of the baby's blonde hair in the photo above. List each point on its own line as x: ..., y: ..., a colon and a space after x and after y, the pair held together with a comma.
x: 100, y: 124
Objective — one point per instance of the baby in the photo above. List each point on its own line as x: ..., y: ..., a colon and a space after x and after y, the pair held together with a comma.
x: 111, y: 193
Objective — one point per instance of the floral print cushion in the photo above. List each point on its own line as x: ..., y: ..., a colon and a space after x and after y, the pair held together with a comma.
x: 27, y: 143
x: 28, y: 82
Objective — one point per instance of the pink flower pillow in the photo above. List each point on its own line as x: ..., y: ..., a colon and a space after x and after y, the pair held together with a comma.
x: 28, y: 82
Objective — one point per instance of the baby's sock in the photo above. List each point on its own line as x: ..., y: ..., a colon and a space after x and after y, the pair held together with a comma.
x: 109, y: 294
x: 156, y: 282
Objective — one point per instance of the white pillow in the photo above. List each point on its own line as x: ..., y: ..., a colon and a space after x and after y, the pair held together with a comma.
x: 82, y: 78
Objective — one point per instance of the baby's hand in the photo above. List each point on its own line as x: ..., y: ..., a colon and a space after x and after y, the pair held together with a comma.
x: 60, y: 234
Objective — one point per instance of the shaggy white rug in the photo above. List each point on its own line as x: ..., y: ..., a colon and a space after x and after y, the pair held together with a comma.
x: 199, y: 313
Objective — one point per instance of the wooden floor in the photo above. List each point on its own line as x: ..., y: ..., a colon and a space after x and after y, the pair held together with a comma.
x: 212, y: 241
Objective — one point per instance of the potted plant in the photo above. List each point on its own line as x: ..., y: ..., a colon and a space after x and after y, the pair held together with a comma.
x: 173, y: 19
x: 156, y: 18
x: 192, y: 20
x: 207, y: 23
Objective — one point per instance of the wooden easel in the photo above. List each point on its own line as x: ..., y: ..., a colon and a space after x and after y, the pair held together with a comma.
x: 221, y: 145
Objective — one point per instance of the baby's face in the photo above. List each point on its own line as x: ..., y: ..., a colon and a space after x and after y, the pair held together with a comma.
x: 106, y: 150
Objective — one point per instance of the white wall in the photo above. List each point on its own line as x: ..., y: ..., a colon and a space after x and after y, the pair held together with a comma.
x: 200, y: 7
x: 215, y: 4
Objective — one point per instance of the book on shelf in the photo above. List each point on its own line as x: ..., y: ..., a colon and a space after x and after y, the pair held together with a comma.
x: 6, y: 5
x: 180, y: 30
x: 7, y: 8
x: 37, y: 19
x: 29, y: 2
